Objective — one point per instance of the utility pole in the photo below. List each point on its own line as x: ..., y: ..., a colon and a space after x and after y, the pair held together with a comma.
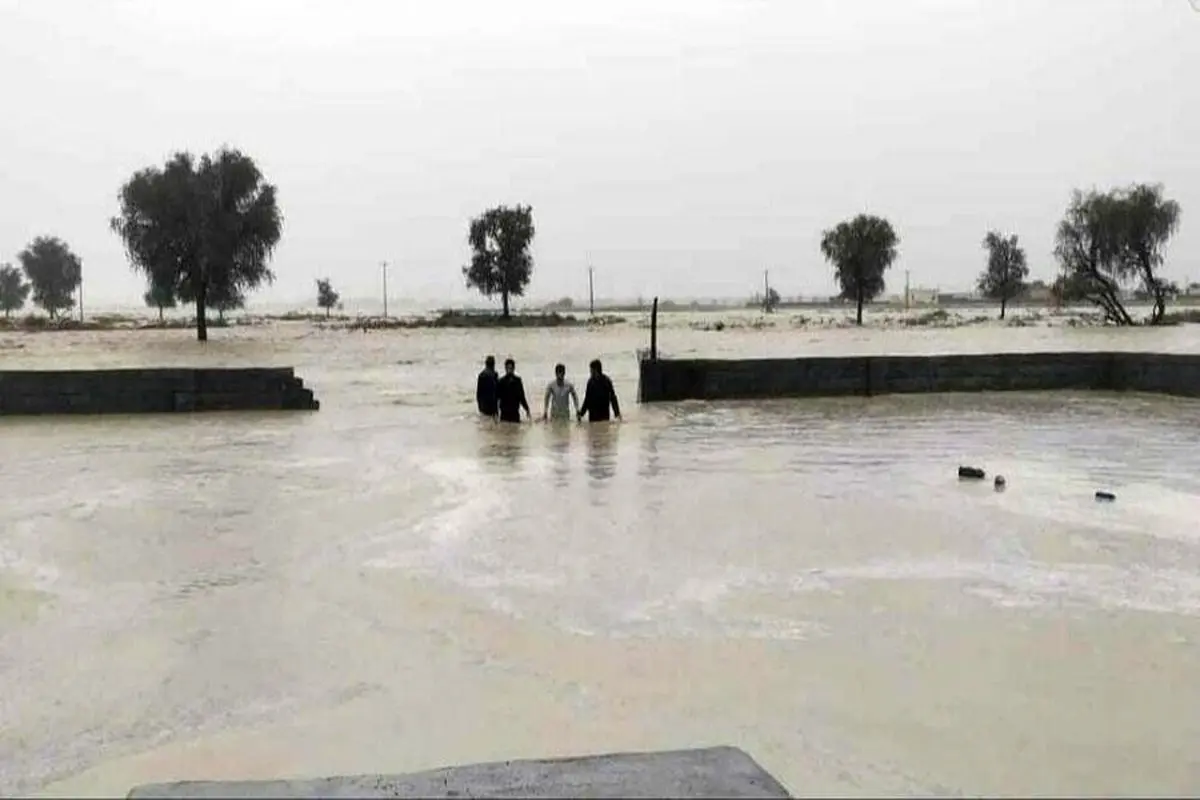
x: 384, y: 266
x: 81, y: 292
x: 907, y: 293
x: 766, y: 292
x: 592, y: 290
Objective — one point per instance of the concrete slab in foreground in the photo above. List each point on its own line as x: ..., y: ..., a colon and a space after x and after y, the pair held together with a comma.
x: 710, y: 772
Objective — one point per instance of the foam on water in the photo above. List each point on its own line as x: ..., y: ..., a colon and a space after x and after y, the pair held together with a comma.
x: 1031, y: 584
x: 43, y: 577
x: 468, y: 501
x: 23, y: 569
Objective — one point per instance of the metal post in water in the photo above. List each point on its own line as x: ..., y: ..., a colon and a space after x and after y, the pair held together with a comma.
x: 591, y: 291
x: 654, y: 331
x: 384, y: 265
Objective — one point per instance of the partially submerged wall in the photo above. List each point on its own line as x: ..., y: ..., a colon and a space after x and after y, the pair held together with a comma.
x: 700, y: 379
x: 1163, y: 373
x: 141, y: 391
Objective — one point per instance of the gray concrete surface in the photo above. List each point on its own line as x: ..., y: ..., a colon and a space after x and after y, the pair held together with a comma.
x: 709, y: 772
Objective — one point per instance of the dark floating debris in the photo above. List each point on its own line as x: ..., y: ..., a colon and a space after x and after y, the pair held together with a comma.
x: 1000, y: 483
x: 1105, y: 496
x: 974, y: 473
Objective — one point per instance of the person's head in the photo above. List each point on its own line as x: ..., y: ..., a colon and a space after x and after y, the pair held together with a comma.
x: 595, y: 366
x: 510, y: 366
x: 560, y: 372
x: 490, y: 363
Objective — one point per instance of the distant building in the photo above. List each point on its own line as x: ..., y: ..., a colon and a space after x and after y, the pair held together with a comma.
x: 1039, y: 292
x: 917, y: 296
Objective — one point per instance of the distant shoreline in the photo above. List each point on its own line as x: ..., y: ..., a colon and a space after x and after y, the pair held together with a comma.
x: 823, y: 315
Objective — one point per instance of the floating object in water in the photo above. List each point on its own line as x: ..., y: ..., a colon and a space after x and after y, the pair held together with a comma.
x: 975, y: 473
x: 999, y: 483
x: 1102, y: 495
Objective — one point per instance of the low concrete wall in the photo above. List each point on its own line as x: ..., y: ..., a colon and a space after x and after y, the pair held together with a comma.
x: 697, y: 379
x: 140, y: 391
x: 709, y: 772
x: 1163, y: 373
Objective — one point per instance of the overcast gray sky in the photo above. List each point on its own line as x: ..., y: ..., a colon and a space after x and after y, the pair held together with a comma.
x: 681, y: 145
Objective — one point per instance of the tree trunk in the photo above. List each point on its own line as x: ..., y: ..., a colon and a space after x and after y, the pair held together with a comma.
x: 858, y: 320
x: 201, y: 322
x: 1160, y: 308
x: 327, y: 310
x: 504, y: 301
x: 1113, y: 310
x: 160, y: 315
x: 1003, y: 304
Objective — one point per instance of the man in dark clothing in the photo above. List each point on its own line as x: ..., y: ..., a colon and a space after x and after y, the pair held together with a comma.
x: 510, y: 394
x: 599, y: 396
x: 485, y: 388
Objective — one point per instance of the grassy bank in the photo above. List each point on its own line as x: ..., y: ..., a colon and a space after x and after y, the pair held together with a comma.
x: 471, y: 320
x: 34, y: 323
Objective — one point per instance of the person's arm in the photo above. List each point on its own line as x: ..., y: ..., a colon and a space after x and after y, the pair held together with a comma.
x: 546, y: 401
x: 524, y: 402
x: 479, y: 392
x: 587, y: 398
x: 612, y: 395
x: 574, y: 399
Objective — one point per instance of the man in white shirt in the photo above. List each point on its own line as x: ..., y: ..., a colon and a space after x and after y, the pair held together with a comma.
x: 560, y: 395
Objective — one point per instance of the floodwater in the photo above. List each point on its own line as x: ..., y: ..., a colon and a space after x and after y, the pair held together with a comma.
x: 390, y: 585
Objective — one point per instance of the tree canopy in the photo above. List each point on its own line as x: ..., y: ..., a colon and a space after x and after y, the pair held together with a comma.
x: 771, y: 300
x: 160, y: 297
x: 1110, y: 242
x: 205, y: 229
x: 1004, y: 277
x: 1149, y: 222
x: 501, y: 263
x: 14, y: 291
x: 327, y: 298
x: 860, y: 250
x: 54, y: 272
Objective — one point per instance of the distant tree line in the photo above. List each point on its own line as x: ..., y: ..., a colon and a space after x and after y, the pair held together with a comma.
x: 1108, y: 245
x: 202, y: 232
x: 49, y: 272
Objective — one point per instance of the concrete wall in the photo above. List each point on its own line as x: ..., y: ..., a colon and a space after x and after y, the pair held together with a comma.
x: 669, y: 380
x: 1164, y: 373
x: 139, y: 391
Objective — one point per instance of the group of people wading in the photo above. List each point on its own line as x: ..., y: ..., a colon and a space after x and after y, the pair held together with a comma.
x: 502, y: 397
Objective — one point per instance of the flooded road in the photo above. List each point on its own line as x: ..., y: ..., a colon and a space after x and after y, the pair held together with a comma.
x: 390, y: 585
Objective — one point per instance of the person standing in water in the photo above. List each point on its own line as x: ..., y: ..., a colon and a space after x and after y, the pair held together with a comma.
x: 599, y: 395
x: 560, y: 397
x: 510, y: 394
x: 486, y: 388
